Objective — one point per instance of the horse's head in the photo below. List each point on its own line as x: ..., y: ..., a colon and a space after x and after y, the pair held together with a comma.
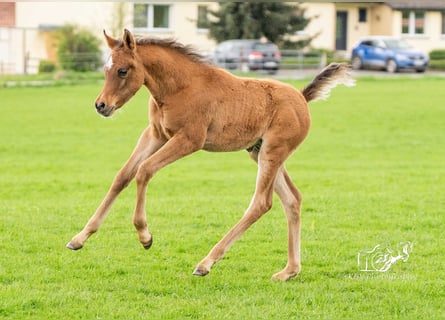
x: 124, y: 74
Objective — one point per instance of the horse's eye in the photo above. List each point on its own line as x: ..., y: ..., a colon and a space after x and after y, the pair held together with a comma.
x: 122, y: 73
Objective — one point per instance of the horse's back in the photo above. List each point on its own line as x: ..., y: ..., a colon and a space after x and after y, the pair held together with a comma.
x: 242, y: 110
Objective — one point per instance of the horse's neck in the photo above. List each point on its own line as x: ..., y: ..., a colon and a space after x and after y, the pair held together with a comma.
x: 167, y: 72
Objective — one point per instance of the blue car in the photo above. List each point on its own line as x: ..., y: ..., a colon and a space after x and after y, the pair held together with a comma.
x: 388, y: 53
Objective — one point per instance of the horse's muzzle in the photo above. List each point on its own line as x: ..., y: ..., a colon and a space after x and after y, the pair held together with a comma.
x: 102, y: 109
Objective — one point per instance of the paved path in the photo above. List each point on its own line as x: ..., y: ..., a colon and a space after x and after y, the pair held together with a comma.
x: 299, y: 74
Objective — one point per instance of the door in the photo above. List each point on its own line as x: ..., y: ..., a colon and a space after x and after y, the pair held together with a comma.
x: 341, y: 30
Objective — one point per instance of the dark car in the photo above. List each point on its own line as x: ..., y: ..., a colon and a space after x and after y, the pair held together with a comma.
x: 253, y: 54
x: 391, y: 54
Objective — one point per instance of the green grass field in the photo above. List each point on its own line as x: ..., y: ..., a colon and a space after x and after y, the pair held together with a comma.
x: 371, y: 171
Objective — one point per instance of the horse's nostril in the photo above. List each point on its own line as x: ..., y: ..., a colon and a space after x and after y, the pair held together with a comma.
x: 100, y: 106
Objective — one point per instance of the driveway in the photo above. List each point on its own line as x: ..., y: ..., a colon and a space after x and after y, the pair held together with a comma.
x: 300, y: 74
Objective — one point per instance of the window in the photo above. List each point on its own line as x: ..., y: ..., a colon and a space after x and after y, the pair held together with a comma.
x: 362, y: 14
x: 413, y: 22
x: 151, y: 16
x: 203, y: 22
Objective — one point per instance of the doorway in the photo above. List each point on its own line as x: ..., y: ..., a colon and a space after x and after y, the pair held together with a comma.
x: 341, y: 30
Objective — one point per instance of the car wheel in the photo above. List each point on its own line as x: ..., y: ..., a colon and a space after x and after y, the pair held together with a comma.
x: 357, y: 63
x: 420, y: 70
x: 391, y: 66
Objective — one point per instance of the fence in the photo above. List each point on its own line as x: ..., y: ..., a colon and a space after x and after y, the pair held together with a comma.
x: 21, y: 49
x: 298, y: 59
x: 290, y: 59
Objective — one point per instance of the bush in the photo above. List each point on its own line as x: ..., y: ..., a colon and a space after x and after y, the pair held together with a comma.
x: 78, y: 49
x: 437, y: 55
x: 46, y: 66
x: 437, y: 64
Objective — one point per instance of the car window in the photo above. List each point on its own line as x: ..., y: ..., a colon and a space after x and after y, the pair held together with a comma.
x: 240, y: 45
x: 265, y: 47
x: 378, y: 43
x: 396, y: 44
x: 367, y: 43
x: 223, y: 46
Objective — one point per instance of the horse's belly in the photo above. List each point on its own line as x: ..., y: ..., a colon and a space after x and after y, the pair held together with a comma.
x: 216, y: 147
x: 231, y: 139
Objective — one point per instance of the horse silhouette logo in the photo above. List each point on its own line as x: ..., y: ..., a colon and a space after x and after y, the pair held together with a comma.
x: 382, y: 256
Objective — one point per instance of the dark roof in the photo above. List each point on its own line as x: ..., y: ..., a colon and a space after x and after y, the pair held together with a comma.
x: 417, y: 4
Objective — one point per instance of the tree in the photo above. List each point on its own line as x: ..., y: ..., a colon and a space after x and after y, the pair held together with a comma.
x: 276, y: 21
x: 78, y: 49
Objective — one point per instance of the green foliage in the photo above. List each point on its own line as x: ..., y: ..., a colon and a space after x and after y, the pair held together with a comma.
x: 437, y: 59
x: 437, y: 64
x: 253, y: 20
x: 437, y: 54
x: 78, y: 49
x: 46, y: 66
x: 371, y: 169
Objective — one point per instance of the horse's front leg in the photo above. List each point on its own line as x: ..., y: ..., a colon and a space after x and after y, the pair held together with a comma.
x: 148, y: 143
x: 175, y: 148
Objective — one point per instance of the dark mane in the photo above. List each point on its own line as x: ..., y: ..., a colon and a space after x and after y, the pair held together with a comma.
x: 186, y: 50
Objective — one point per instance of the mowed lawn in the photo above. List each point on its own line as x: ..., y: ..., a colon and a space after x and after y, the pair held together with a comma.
x: 372, y: 171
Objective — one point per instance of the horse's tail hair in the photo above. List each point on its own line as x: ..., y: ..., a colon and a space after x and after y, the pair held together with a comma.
x: 331, y: 76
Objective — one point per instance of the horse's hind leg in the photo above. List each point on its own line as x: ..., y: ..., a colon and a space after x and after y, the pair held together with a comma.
x: 290, y: 199
x: 147, y: 144
x: 270, y: 160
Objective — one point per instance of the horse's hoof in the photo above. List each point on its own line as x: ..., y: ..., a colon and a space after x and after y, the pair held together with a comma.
x: 284, y: 276
x: 148, y: 244
x: 200, y: 272
x: 74, y: 246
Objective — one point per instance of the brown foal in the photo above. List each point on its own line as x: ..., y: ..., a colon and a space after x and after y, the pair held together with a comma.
x: 194, y: 106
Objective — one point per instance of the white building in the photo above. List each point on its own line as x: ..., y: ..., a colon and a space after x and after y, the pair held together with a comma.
x: 25, y: 26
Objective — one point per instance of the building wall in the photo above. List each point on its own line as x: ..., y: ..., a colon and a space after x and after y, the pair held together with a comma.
x: 33, y: 19
x: 7, y: 14
x: 381, y: 20
x: 184, y: 16
x: 432, y: 39
x: 94, y: 15
x: 356, y: 29
x: 322, y: 22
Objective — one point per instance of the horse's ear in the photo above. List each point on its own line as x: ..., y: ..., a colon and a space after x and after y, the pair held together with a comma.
x: 129, y: 41
x: 111, y: 42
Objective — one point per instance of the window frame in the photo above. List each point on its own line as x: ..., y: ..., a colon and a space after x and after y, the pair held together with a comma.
x: 150, y: 17
x: 413, y: 16
x: 362, y: 15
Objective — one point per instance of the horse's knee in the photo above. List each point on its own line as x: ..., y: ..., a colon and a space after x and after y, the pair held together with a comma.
x: 143, y: 175
x: 266, y: 205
